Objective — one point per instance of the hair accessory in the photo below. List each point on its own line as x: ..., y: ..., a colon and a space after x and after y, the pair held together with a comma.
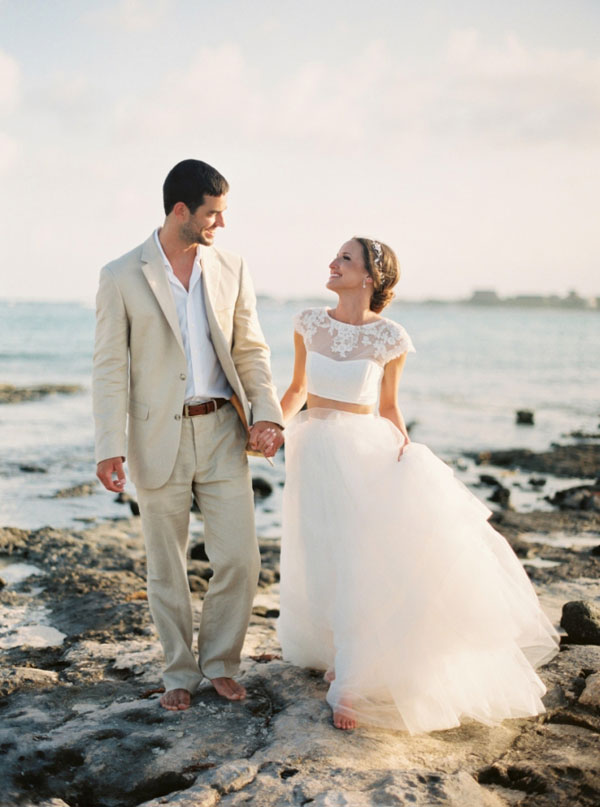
x: 378, y: 255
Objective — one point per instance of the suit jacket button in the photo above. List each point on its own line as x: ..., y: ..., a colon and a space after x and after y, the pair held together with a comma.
x: 177, y: 417
x: 182, y: 376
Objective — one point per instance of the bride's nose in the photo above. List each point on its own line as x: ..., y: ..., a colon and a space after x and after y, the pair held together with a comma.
x: 333, y: 264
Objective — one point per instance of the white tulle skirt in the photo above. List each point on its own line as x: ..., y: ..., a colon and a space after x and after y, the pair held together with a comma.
x: 392, y: 577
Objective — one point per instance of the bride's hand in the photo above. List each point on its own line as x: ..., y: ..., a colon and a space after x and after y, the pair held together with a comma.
x: 403, y: 449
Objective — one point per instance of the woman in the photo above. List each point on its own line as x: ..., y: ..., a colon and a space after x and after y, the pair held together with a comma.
x: 392, y: 580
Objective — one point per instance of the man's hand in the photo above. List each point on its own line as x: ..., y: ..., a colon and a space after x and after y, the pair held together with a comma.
x: 266, y: 437
x: 107, y: 469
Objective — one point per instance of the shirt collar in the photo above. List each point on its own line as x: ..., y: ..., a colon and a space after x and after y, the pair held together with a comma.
x: 166, y: 262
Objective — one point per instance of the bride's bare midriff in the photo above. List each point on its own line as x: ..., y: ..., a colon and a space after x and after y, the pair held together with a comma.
x: 313, y: 401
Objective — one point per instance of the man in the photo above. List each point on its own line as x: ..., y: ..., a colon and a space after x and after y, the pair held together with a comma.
x: 180, y: 350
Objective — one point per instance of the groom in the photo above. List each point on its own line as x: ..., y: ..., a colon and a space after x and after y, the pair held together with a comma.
x: 181, y: 357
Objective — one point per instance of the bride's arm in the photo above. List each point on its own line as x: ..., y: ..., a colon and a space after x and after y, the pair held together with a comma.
x: 294, y: 397
x: 388, y: 398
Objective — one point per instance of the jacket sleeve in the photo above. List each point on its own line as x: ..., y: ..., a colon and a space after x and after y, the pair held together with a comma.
x: 110, y: 369
x: 251, y: 354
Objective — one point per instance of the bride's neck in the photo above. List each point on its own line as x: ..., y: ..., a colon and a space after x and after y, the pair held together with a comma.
x: 353, y: 311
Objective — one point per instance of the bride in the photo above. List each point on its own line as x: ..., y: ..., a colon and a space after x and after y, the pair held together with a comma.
x: 392, y: 580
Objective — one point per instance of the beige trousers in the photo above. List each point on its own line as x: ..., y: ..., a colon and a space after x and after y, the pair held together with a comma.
x: 212, y: 464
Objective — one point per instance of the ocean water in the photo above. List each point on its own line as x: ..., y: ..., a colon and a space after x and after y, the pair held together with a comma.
x: 474, y: 367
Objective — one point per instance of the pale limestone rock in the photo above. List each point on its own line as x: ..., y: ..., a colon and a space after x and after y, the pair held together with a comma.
x: 233, y: 776
x: 26, y: 678
x: 591, y: 694
x: 195, y: 796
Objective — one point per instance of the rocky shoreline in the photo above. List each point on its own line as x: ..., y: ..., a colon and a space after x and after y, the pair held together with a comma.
x: 81, y: 725
x: 10, y: 394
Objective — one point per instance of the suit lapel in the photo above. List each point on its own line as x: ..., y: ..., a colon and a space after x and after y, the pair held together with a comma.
x: 210, y: 286
x: 211, y: 279
x: 156, y: 275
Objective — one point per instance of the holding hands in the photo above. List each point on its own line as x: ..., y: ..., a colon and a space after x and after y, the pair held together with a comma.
x: 266, y: 437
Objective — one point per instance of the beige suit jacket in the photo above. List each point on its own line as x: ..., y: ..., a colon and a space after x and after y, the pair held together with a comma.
x: 139, y: 373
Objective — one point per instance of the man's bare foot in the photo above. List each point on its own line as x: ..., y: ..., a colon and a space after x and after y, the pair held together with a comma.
x: 340, y: 719
x: 329, y: 676
x: 228, y: 688
x: 176, y: 700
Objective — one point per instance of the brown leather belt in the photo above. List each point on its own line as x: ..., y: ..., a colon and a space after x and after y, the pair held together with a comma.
x: 191, y: 410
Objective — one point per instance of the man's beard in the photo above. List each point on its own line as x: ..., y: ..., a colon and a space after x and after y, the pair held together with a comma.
x: 191, y: 235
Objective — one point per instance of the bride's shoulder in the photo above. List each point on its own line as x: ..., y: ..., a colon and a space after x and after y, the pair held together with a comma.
x: 395, y: 337
x: 307, y: 321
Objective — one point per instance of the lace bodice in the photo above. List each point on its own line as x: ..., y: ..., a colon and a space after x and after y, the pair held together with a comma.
x: 345, y: 362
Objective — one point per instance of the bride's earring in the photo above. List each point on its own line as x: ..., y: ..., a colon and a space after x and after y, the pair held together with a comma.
x: 364, y: 283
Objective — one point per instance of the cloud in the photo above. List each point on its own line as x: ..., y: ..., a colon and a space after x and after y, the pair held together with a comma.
x: 132, y: 15
x: 510, y: 92
x: 505, y: 94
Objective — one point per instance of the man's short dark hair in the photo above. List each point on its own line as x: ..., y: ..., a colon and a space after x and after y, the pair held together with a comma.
x: 189, y: 181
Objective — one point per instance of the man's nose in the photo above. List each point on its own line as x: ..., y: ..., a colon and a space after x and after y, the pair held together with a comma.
x: 220, y: 220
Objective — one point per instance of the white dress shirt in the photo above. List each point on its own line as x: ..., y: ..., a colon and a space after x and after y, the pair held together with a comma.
x: 205, y: 376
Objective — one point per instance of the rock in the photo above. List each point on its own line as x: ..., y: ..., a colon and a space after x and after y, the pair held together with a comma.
x: 488, y: 479
x: 581, y: 461
x: 267, y: 577
x: 266, y: 613
x: 595, y: 551
x: 262, y: 489
x: 581, y: 620
x: 524, y: 417
x: 195, y: 796
x: 49, y: 803
x: 591, y: 694
x: 581, y: 497
x: 125, y: 498
x: 417, y: 788
x: 26, y: 678
x: 11, y: 394
x: 33, y: 469
x: 501, y: 496
x: 198, y: 551
x: 233, y: 776
x: 85, y: 489
x: 514, y: 777
x: 537, y: 482
x: 197, y: 584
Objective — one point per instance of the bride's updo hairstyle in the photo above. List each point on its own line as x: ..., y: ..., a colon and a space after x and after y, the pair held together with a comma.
x: 382, y: 264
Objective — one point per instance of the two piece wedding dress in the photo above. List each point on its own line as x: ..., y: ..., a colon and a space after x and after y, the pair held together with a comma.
x: 391, y: 575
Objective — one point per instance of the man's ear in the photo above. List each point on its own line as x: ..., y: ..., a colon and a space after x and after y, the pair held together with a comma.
x: 181, y: 210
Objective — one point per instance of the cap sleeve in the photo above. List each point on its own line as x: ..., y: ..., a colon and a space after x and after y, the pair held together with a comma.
x: 300, y: 322
x: 307, y: 322
x: 399, y: 342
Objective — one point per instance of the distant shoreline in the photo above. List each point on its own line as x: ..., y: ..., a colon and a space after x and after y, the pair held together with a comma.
x: 478, y: 299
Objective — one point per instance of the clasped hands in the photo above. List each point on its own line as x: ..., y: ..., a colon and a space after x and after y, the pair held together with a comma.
x: 266, y: 437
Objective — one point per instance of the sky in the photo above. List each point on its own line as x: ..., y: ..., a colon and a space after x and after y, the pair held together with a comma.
x: 463, y: 133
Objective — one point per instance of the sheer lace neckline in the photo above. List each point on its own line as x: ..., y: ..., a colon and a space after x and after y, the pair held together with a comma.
x: 349, y: 324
